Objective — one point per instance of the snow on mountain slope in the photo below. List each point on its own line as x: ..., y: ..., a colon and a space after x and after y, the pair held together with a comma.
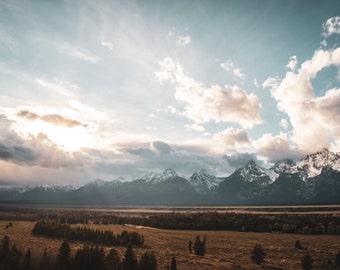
x: 203, y: 182
x: 281, y: 166
x: 159, y: 177
x: 252, y: 172
x: 313, y: 164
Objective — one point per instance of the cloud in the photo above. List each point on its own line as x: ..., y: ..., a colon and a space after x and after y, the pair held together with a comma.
x: 78, y: 53
x: 238, y: 160
x: 315, y: 120
x: 54, y: 119
x: 256, y: 83
x: 159, y: 155
x: 184, y: 40
x: 230, y: 67
x: 33, y: 151
x: 270, y: 82
x: 292, y: 63
x: 17, y: 153
x: 195, y: 127
x: 284, y: 123
x: 232, y: 139
x: 202, y: 104
x: 276, y: 148
x: 62, y: 88
x: 107, y: 45
x: 160, y: 147
x: 323, y: 43
x: 331, y: 26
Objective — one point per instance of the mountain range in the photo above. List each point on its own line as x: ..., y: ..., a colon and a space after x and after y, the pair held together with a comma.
x: 314, y: 179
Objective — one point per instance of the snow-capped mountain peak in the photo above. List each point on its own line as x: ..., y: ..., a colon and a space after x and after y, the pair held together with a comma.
x: 203, y: 182
x: 251, y: 172
x: 283, y: 166
x: 96, y: 182
x: 116, y: 182
x: 169, y: 173
x: 312, y: 164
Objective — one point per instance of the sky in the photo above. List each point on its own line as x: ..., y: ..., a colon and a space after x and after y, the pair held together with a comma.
x: 107, y: 89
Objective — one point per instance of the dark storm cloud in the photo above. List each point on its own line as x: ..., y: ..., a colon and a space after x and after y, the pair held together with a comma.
x: 17, y: 154
x: 54, y: 119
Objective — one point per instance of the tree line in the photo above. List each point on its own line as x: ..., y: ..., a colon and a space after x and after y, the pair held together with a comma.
x: 85, y: 258
x: 286, y: 223
x: 106, y: 237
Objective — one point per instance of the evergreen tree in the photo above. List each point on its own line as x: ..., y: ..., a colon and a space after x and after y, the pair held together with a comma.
x: 307, y: 262
x: 14, y: 257
x: 5, y: 243
x: 27, y: 259
x: 173, y: 265
x: 298, y: 245
x: 258, y: 254
x: 337, y: 260
x: 44, y: 262
x: 130, y: 261
x: 148, y: 261
x: 113, y: 259
x: 199, y: 246
x: 190, y: 246
x: 64, y: 255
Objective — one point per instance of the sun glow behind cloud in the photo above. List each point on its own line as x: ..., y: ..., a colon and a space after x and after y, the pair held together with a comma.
x: 65, y: 138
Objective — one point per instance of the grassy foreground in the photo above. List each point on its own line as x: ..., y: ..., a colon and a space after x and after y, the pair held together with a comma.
x: 225, y: 250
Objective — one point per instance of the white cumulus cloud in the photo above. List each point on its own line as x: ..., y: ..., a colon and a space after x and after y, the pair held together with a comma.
x: 284, y: 123
x: 230, y: 67
x: 275, y: 148
x: 331, y: 26
x: 315, y: 120
x: 232, y: 139
x: 292, y: 63
x: 203, y: 104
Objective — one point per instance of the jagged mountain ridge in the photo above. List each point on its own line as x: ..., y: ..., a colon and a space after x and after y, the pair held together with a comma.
x: 314, y: 179
x: 203, y: 182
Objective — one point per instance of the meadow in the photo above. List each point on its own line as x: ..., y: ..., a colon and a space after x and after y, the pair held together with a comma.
x: 224, y: 249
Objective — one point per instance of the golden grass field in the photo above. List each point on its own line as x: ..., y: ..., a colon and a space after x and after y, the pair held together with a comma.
x: 224, y: 249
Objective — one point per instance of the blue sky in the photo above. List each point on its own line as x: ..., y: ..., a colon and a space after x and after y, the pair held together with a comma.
x: 102, y: 89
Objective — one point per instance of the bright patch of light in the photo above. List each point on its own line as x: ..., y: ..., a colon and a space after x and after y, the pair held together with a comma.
x: 67, y: 139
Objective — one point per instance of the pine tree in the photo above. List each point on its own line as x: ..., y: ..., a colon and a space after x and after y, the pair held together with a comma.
x: 258, y: 254
x: 130, y: 261
x: 298, y: 245
x: 199, y: 246
x: 5, y: 243
x: 64, y: 255
x: 307, y: 262
x: 27, y: 259
x: 14, y: 257
x: 44, y: 262
x: 113, y: 259
x: 148, y: 261
x: 173, y: 265
x: 190, y: 246
x: 337, y: 260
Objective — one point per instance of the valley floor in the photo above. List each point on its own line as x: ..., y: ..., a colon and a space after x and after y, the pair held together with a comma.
x: 224, y: 249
